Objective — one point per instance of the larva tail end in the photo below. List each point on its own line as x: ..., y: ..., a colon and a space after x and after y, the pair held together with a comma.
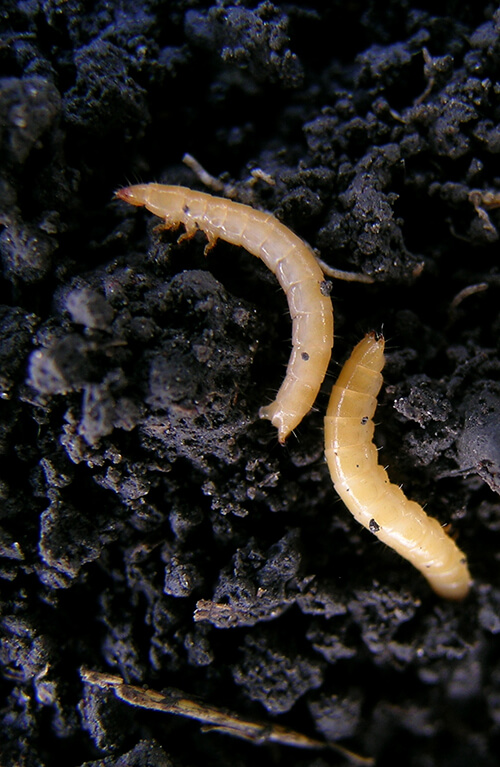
x: 271, y: 413
x: 456, y: 591
x: 135, y: 195
x: 376, y: 338
x: 282, y: 436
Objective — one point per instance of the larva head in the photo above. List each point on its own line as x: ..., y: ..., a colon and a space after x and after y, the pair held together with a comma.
x: 135, y: 195
x: 164, y: 201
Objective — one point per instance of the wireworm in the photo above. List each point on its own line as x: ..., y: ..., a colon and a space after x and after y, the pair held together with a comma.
x: 287, y: 256
x: 364, y: 486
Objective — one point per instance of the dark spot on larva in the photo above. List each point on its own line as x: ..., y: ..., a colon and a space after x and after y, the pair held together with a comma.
x: 374, y: 526
x: 326, y: 287
x: 364, y: 420
x: 305, y: 356
x: 185, y: 209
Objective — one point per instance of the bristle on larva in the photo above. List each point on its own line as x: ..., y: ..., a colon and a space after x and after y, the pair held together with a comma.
x: 287, y: 256
x: 364, y: 486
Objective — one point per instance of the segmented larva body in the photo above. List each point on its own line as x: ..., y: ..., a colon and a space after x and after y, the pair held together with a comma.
x: 287, y: 256
x: 364, y: 486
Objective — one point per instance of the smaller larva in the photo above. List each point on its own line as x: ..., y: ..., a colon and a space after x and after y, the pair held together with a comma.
x: 364, y: 486
x: 287, y: 256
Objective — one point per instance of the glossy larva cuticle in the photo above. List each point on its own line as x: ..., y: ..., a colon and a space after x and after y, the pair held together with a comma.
x: 287, y: 256
x: 364, y: 485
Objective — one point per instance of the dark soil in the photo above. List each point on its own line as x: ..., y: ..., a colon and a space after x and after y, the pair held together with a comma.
x: 151, y: 526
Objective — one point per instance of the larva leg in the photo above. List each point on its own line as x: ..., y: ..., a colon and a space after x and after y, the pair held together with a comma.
x: 364, y: 486
x: 190, y: 233
x: 167, y: 228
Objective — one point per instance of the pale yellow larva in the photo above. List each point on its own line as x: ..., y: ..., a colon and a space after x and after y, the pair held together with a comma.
x: 364, y: 486
x: 287, y: 256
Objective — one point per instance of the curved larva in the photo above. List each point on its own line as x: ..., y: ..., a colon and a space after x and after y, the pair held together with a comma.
x: 287, y: 256
x: 364, y: 486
